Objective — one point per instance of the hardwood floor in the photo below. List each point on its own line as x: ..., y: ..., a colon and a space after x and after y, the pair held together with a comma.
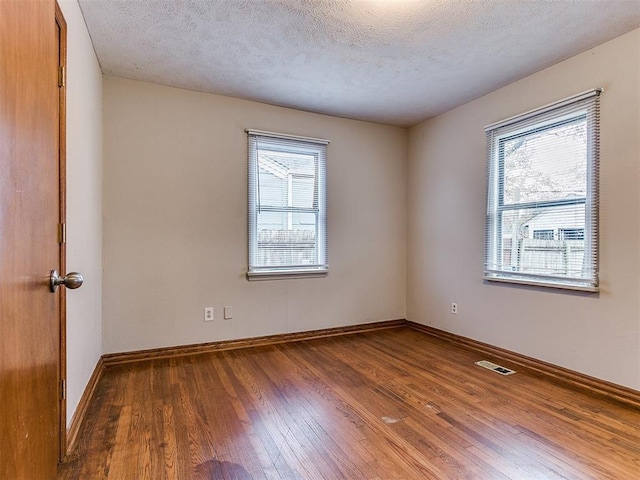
x: 389, y: 404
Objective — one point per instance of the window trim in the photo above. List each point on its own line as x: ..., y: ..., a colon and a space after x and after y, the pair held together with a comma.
x: 543, y: 234
x: 317, y: 147
x: 495, y: 186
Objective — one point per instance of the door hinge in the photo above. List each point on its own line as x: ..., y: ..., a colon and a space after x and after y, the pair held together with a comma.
x: 63, y: 389
x: 61, y: 76
x: 62, y: 233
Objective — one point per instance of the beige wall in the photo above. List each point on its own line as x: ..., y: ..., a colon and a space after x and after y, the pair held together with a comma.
x: 595, y: 334
x: 84, y: 204
x: 175, y: 221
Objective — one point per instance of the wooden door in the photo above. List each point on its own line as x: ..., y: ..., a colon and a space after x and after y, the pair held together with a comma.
x: 61, y: 55
x: 29, y: 243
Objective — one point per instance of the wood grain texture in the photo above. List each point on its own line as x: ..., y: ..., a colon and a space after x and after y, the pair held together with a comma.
x: 29, y: 248
x: 61, y: 40
x: 179, y: 351
x: 83, y: 405
x: 386, y: 404
x: 594, y: 386
x: 576, y: 379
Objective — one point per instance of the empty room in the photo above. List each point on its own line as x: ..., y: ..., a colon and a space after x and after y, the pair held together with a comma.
x: 319, y: 239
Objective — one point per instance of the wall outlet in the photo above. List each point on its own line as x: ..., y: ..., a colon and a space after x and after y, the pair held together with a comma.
x: 228, y: 313
x: 208, y: 314
x: 454, y: 308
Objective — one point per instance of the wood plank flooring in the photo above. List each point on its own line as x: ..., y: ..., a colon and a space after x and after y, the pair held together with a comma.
x: 392, y: 404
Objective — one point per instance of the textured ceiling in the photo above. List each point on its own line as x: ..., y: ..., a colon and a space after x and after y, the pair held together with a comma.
x: 388, y: 61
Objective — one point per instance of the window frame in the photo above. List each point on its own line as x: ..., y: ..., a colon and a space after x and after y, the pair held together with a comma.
x: 543, y: 234
x: 538, y: 120
x: 285, y: 143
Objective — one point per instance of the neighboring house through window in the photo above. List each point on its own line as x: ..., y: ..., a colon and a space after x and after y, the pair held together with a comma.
x: 542, y: 211
x: 543, y: 234
x: 287, y: 205
x: 571, y: 234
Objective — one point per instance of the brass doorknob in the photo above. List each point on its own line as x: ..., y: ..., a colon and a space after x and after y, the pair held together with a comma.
x: 71, y: 280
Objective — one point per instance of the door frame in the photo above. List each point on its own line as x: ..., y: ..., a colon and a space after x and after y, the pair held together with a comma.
x: 61, y: 28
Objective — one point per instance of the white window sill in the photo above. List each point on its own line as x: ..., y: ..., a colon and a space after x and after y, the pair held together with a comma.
x: 542, y: 283
x: 286, y: 275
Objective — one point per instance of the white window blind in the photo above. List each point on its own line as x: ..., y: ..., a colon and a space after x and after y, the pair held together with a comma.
x: 542, y: 212
x: 287, y: 205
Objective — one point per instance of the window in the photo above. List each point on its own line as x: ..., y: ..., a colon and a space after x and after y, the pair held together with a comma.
x: 543, y: 234
x: 542, y: 213
x: 571, y: 233
x: 287, y: 206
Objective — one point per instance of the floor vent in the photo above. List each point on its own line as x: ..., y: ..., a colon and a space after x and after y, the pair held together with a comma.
x: 495, y: 368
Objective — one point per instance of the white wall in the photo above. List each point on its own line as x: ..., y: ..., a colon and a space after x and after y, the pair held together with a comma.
x: 598, y: 335
x: 175, y: 221
x: 84, y: 204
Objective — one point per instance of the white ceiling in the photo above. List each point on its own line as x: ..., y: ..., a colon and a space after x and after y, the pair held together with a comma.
x: 388, y: 61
